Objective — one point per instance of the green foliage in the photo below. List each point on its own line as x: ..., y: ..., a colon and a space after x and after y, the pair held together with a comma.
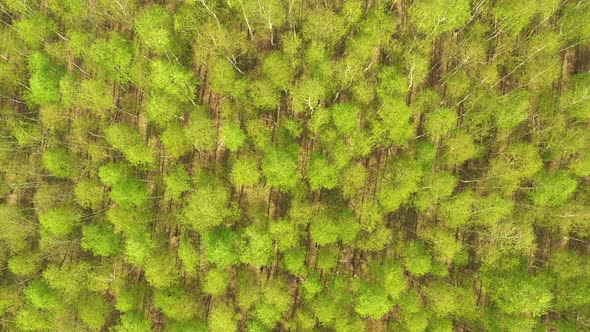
x: 16, y: 228
x: 256, y: 247
x: 133, y: 322
x: 95, y: 95
x: 245, y: 172
x: 279, y: 166
x: 188, y: 255
x: 221, y: 247
x: 89, y: 194
x: 322, y: 174
x: 278, y: 70
x: 440, y: 122
x: 94, y: 310
x: 129, y: 299
x: 154, y: 28
x: 59, y: 221
x: 160, y: 270
x: 216, y: 282
x: 177, y: 182
x: 324, y: 230
x: 128, y: 140
x: 35, y: 29
x: 519, y: 293
x: 176, y: 141
x: 345, y: 117
x: 41, y: 295
x: 520, y: 161
x: 172, y: 80
x: 111, y: 57
x: 417, y: 260
x: 201, y: 131
x: 59, y: 162
x: 233, y: 137
x: 372, y: 302
x: 175, y: 303
x: 354, y: 165
x: 553, y: 189
x: 222, y: 318
x: 274, y: 303
x: 44, y: 80
x: 25, y: 264
x: 437, y: 16
x: 352, y: 179
x: 294, y: 261
x: 100, y: 239
x: 139, y: 245
x: 207, y: 207
x: 32, y: 319
x: 457, y: 211
x: 162, y: 109
x: 130, y: 192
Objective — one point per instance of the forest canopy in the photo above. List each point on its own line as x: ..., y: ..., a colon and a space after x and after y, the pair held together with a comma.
x: 294, y: 165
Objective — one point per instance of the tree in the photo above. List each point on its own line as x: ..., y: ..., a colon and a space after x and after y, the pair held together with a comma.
x: 94, y: 311
x: 216, y: 282
x: 95, y: 95
x: 222, y: 318
x: 16, y: 228
x: 294, y: 261
x: 576, y: 99
x: 457, y: 211
x: 44, y: 80
x: 256, y: 247
x: 245, y: 172
x: 154, y: 28
x: 59, y: 162
x: 130, y: 192
x: 175, y: 303
x: 553, y: 189
x: 101, y: 240
x: 42, y: 295
x: 59, y: 221
x: 352, y: 179
x: 322, y: 174
x: 277, y: 69
x: 519, y: 293
x: 162, y: 109
x: 345, y: 117
x: 133, y: 322
x: 25, y: 264
x: 111, y: 57
x: 440, y: 122
x: 207, y: 207
x: 177, y: 182
x: 233, y: 137
x: 172, y: 80
x: 176, y: 141
x: 324, y: 230
x: 160, y: 270
x: 35, y: 29
x: 416, y: 259
x: 128, y: 140
x: 89, y: 194
x: 372, y: 302
x: 201, y: 131
x: 221, y: 247
x: 280, y: 167
x: 520, y: 161
x: 434, y: 17
x: 274, y: 303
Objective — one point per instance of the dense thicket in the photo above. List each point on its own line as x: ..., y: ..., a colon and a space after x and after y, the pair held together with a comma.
x: 224, y: 165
